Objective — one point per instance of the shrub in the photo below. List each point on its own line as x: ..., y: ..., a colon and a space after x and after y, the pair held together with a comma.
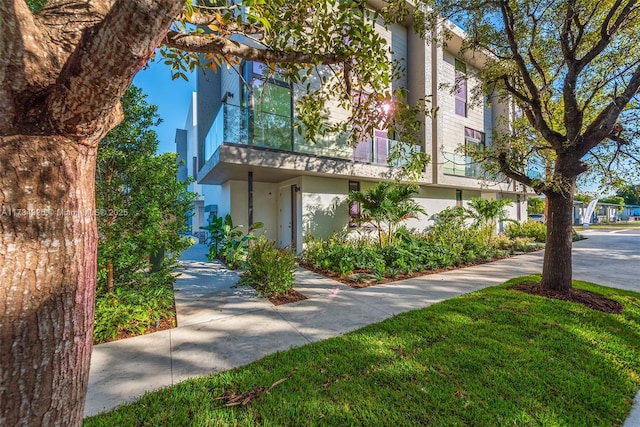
x: 523, y: 244
x: 228, y: 242
x: 502, y: 242
x: 131, y: 310
x: 269, y: 269
x: 535, y: 230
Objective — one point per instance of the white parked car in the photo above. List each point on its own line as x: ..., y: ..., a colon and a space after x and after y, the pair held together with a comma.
x: 537, y: 218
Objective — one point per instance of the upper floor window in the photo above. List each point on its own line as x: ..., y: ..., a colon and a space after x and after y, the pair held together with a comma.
x: 474, y: 139
x: 269, y: 98
x: 461, y: 88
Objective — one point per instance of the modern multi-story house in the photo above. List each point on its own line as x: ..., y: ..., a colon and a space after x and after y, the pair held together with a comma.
x: 240, y: 145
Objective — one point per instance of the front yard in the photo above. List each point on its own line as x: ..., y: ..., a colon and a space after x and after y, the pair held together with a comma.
x: 493, y: 357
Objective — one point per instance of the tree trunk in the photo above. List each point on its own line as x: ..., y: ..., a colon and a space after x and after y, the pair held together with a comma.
x: 48, y: 245
x: 557, y: 269
x: 110, y: 283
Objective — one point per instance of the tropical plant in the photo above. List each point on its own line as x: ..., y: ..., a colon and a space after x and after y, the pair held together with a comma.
x: 228, y: 242
x: 269, y: 269
x: 131, y: 311
x: 486, y: 213
x: 385, y: 206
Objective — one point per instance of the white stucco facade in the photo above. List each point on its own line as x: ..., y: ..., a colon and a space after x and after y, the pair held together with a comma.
x: 301, y: 189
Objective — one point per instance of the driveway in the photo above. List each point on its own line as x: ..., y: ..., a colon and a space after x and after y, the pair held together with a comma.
x: 609, y: 258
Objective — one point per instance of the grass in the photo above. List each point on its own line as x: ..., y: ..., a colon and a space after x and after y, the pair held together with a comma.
x: 492, y: 357
x: 621, y: 224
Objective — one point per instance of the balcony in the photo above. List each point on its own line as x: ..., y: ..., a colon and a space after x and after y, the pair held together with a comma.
x: 461, y: 165
x: 237, y: 125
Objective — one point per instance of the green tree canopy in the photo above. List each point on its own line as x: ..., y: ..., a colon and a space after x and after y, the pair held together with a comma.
x: 141, y: 205
x: 614, y: 200
x: 567, y: 68
x: 630, y: 194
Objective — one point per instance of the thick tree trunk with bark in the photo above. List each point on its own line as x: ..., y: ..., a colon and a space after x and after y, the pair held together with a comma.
x: 557, y: 269
x: 47, y: 278
x: 62, y: 73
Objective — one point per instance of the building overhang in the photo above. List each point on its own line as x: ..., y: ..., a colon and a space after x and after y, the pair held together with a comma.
x: 234, y: 162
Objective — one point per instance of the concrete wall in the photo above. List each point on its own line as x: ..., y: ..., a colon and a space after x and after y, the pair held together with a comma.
x: 208, y: 86
x: 323, y: 207
x: 234, y: 200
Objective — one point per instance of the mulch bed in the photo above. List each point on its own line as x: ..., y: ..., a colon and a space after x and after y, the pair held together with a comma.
x: 401, y: 276
x: 586, y: 298
x: 291, y: 296
x: 163, y: 324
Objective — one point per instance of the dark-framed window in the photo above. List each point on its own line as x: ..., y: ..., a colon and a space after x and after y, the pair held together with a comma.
x: 461, y: 88
x: 269, y: 99
x: 354, y: 207
x: 459, y: 198
x: 474, y: 140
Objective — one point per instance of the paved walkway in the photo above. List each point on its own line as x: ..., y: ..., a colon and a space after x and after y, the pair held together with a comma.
x: 221, y: 327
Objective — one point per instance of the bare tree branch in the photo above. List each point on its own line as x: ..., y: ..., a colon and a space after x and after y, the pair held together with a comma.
x: 535, y: 104
x: 601, y: 127
x: 212, y: 43
x: 505, y: 168
x: 608, y: 30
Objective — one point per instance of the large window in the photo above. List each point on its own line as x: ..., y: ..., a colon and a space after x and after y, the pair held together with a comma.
x: 473, y: 141
x: 271, y: 108
x: 461, y: 88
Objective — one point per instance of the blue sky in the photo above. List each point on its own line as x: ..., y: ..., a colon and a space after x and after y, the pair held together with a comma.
x: 172, y: 98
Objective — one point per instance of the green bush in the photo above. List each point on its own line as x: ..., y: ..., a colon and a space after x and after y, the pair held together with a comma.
x: 459, y: 242
x: 523, y: 244
x: 450, y: 242
x: 131, y: 310
x: 228, y: 242
x: 342, y: 256
x: 535, y: 230
x: 269, y: 269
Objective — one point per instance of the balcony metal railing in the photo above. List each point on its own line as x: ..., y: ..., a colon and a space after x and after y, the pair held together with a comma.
x: 231, y: 125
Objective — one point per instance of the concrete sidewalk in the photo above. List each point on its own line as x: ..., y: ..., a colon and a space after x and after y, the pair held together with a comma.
x: 221, y: 327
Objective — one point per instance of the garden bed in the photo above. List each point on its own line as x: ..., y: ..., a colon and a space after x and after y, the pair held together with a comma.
x: 359, y: 282
x: 290, y: 296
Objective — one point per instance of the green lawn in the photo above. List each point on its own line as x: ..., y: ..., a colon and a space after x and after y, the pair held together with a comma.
x: 495, y: 357
x: 616, y: 225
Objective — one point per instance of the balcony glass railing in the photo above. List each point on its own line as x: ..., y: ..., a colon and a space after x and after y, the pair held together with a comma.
x: 231, y: 125
x: 461, y: 165
x: 228, y: 126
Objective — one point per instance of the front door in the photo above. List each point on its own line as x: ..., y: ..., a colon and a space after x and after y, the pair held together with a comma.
x: 287, y: 213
